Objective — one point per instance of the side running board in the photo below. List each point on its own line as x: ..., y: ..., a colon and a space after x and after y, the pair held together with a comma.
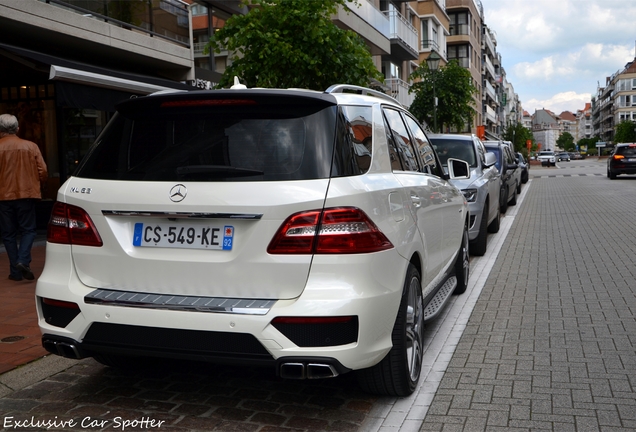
x: 437, y: 303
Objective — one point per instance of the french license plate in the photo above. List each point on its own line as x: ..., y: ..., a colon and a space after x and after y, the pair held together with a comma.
x: 216, y: 237
x: 631, y: 159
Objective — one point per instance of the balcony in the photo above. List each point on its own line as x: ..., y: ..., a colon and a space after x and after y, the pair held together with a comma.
x: 364, y: 19
x: 400, y: 91
x: 490, y: 114
x: 488, y: 67
x: 403, y: 37
x: 169, y: 21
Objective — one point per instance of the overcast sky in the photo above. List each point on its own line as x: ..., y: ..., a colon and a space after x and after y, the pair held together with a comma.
x: 556, y: 52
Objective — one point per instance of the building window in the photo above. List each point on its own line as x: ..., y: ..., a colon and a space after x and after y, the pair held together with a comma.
x: 459, y: 23
x: 198, y: 9
x: 461, y: 53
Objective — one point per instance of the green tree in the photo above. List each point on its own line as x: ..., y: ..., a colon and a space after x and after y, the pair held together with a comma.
x: 454, y: 89
x: 518, y: 135
x: 587, y: 144
x: 625, y: 132
x: 566, y: 141
x: 293, y: 43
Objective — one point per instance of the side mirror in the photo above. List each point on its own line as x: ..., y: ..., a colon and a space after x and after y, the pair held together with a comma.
x: 458, y: 169
x: 491, y: 159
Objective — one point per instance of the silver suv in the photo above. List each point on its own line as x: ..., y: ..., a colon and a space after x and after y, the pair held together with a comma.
x: 481, y: 189
x: 547, y: 158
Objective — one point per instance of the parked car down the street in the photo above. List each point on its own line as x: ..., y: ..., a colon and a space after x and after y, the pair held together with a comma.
x: 547, y: 158
x: 311, y: 232
x: 481, y: 189
x: 622, y: 160
x: 563, y: 156
x: 510, y: 175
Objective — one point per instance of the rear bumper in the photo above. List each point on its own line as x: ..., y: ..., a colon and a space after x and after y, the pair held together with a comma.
x: 363, y: 288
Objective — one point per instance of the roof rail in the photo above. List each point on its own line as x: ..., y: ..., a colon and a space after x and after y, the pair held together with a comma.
x: 342, y: 88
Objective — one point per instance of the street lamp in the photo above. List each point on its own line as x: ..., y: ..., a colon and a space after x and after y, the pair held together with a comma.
x: 433, y: 63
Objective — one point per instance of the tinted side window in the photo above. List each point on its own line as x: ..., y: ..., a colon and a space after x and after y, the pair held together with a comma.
x: 427, y: 154
x: 481, y: 150
x: 354, y: 141
x: 402, y: 140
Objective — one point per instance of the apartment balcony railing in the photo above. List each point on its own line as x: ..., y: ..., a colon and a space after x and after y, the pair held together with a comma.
x: 430, y: 44
x: 400, y: 91
x: 372, y: 16
x: 401, y: 29
x: 170, y: 21
x: 490, y: 114
x: 489, y: 43
x: 490, y: 91
x: 489, y: 67
x: 198, y: 48
x: 462, y: 61
x: 459, y: 29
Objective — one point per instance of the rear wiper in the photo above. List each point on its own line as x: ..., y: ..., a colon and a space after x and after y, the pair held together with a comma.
x: 223, y: 170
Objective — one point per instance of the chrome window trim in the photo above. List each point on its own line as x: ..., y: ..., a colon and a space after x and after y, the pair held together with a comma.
x: 181, y: 215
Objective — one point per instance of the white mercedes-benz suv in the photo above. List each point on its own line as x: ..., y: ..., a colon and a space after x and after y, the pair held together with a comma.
x: 314, y: 232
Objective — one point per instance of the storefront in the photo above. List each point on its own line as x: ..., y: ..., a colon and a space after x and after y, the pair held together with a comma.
x: 62, y: 106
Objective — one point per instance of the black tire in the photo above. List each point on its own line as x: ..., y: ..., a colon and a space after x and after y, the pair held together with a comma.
x: 479, y: 245
x: 462, y: 265
x: 611, y: 175
x: 519, y: 188
x: 525, y: 177
x: 399, y: 372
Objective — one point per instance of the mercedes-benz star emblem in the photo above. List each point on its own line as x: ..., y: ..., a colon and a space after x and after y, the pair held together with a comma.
x: 178, y: 193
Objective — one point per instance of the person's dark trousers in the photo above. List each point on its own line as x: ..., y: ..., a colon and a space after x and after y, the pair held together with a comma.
x: 17, y: 217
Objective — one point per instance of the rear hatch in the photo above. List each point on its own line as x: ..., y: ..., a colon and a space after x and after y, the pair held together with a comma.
x: 186, y: 192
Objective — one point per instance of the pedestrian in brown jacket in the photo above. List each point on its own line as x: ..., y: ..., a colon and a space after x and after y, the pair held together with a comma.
x: 22, y: 172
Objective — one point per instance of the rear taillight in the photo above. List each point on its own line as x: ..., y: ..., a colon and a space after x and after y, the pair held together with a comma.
x: 72, y: 225
x: 618, y: 157
x: 342, y: 230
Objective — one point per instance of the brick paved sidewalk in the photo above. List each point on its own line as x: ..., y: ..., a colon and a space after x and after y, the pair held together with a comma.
x: 20, y: 337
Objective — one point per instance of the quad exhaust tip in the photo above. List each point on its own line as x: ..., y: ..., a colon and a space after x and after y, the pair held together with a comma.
x: 63, y: 349
x: 307, y: 371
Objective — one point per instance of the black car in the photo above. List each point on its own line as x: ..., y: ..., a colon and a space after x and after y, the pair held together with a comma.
x: 524, y: 166
x: 622, y: 160
x: 507, y: 166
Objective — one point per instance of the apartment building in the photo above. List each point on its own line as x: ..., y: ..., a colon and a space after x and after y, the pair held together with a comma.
x: 625, y: 94
x: 584, y: 123
x: 568, y: 123
x: 464, y: 44
x: 545, y: 129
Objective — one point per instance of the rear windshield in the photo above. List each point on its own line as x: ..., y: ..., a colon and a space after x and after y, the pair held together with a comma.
x: 215, y: 143
x: 458, y: 149
x: 626, y: 151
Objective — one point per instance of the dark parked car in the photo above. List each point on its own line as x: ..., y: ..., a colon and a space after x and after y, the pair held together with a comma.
x: 524, y: 167
x: 622, y: 160
x: 563, y: 156
x: 508, y: 167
